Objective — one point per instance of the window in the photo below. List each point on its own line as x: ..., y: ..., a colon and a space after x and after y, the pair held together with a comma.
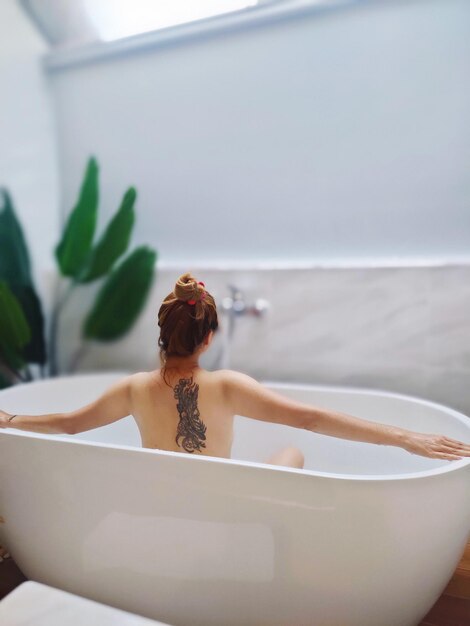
x: 68, y: 23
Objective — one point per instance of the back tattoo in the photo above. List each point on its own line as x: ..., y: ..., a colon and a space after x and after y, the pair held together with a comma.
x: 190, y: 428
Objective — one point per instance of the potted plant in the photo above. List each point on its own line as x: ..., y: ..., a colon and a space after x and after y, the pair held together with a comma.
x: 126, y: 282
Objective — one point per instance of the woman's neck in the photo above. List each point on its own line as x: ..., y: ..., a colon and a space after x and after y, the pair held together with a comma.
x: 182, y: 364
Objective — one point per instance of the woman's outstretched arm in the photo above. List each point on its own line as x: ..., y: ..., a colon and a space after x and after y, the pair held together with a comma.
x: 111, y: 406
x: 249, y: 398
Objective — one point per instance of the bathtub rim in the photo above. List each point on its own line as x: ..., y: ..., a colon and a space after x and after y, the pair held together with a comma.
x: 68, y: 439
x: 449, y: 466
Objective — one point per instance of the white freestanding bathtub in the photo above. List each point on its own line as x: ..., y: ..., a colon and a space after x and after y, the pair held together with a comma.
x: 366, y: 535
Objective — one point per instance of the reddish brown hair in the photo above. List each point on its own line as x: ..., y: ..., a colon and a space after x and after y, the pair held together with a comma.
x: 184, y: 326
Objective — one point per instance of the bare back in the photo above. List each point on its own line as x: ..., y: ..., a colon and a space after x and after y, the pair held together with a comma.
x: 190, y: 414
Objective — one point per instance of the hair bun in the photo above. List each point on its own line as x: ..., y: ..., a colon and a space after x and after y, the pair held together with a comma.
x: 187, y: 288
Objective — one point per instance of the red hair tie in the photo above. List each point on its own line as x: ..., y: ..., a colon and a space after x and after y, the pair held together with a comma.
x: 203, y: 295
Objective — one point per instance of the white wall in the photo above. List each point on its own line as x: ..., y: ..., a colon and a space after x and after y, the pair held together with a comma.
x: 28, y: 150
x: 344, y: 134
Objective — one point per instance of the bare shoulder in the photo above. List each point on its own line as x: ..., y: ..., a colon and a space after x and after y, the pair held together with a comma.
x: 231, y: 381
x: 139, y: 380
x: 247, y: 396
x: 233, y: 376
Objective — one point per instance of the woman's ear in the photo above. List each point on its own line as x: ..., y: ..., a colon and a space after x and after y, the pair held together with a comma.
x: 208, y: 338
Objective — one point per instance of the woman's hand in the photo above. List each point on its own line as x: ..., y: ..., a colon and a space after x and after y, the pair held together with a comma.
x: 436, y: 446
x: 4, y: 419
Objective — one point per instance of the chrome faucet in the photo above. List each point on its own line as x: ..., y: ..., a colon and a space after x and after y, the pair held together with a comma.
x: 235, y: 306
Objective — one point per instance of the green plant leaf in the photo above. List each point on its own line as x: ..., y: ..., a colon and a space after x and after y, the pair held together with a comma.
x: 15, y: 265
x: 15, y: 270
x: 4, y: 382
x: 114, y: 241
x: 35, y: 350
x: 14, y: 330
x: 122, y: 297
x: 74, y: 249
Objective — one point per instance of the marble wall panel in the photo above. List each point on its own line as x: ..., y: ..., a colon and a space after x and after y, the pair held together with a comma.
x: 402, y: 329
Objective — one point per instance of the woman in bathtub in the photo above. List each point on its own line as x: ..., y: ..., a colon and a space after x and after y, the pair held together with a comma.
x: 184, y: 408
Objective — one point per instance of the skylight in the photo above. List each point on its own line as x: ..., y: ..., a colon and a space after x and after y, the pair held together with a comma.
x: 70, y: 23
x: 114, y: 19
